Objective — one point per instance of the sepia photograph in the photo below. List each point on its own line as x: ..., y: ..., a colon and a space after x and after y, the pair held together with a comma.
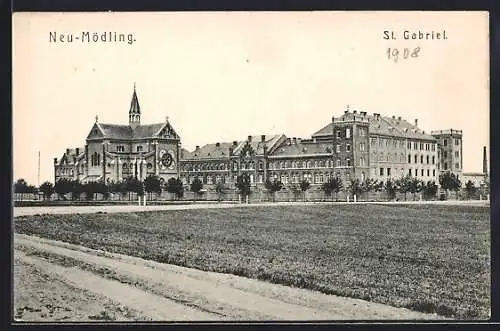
x: 236, y: 166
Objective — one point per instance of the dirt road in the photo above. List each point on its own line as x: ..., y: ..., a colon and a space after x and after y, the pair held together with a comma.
x: 56, y: 281
x: 24, y: 211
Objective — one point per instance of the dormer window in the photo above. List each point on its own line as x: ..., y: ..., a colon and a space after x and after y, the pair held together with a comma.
x: 120, y: 148
x: 139, y: 149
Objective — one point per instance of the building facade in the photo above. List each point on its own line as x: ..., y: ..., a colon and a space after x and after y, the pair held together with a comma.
x: 113, y: 152
x: 354, y: 145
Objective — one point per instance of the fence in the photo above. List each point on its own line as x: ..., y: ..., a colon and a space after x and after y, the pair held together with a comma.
x: 257, y: 195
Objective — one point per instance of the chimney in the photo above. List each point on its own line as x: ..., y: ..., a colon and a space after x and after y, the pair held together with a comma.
x: 393, y: 117
x: 294, y: 140
x: 249, y: 139
x: 346, y: 111
x: 217, y: 144
x: 197, y: 148
x: 67, y: 151
x: 235, y: 143
x: 299, y: 140
x: 416, y: 121
x: 355, y: 111
x: 485, y: 161
x: 55, y: 160
x: 263, y: 138
x: 399, y: 118
x: 77, y: 151
x: 363, y: 113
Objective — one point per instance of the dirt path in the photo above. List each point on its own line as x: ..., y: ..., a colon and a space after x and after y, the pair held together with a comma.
x: 23, y: 211
x: 129, y: 288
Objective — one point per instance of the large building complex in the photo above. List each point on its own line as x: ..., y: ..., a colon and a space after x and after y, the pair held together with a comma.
x: 354, y: 145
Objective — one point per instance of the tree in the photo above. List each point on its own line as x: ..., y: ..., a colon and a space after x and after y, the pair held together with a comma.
x: 195, y: 187
x: 355, y: 187
x: 131, y: 184
x: 76, y: 189
x: 243, y: 185
x: 449, y: 181
x: 220, y: 189
x: 152, y: 184
x: 403, y: 184
x: 485, y: 185
x: 295, y: 190
x: 369, y: 185
x: 21, y: 187
x: 304, y: 186
x: 90, y: 189
x: 175, y: 186
x: 102, y: 188
x: 470, y: 189
x: 333, y: 185
x: 390, y: 186
x: 430, y: 190
x: 47, y: 189
x: 62, y: 187
x: 415, y: 186
x: 273, y: 187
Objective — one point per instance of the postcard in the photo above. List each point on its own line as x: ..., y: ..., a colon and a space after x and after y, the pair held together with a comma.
x: 251, y: 166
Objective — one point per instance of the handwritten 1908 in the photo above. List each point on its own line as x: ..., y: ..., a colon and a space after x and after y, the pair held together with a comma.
x: 405, y: 53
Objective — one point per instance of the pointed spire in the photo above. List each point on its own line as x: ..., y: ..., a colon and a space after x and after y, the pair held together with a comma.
x: 96, y: 118
x: 134, y: 104
x: 166, y: 118
x: 134, y: 113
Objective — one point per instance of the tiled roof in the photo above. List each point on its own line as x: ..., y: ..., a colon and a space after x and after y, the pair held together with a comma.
x: 148, y: 130
x: 72, y: 152
x: 382, y: 125
x: 302, y: 149
x: 117, y: 131
x: 325, y: 131
x: 258, y: 146
x: 208, y: 151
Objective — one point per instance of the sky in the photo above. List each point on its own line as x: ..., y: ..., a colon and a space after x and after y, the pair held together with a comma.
x: 221, y: 76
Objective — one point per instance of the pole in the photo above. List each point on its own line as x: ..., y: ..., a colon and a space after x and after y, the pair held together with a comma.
x: 38, y: 174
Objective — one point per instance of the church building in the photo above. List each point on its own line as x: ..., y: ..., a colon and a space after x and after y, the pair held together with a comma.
x: 113, y: 152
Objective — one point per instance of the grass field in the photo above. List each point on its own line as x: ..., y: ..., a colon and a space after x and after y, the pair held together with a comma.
x: 428, y: 258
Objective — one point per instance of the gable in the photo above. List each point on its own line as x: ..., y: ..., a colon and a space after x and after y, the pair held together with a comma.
x: 96, y: 132
x: 168, y: 132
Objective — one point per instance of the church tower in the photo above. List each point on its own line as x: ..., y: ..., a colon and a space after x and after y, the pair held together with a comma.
x: 134, y: 114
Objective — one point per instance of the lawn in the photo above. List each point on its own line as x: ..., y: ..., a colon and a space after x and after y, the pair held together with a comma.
x: 428, y: 258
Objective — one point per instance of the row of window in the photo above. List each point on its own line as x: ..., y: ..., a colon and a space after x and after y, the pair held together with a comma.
x: 445, y: 166
x: 121, y: 148
x: 387, y: 142
x: 415, y: 158
x: 284, y: 178
x: 457, y: 142
x: 362, y: 132
x: 411, y: 172
x: 445, y: 154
